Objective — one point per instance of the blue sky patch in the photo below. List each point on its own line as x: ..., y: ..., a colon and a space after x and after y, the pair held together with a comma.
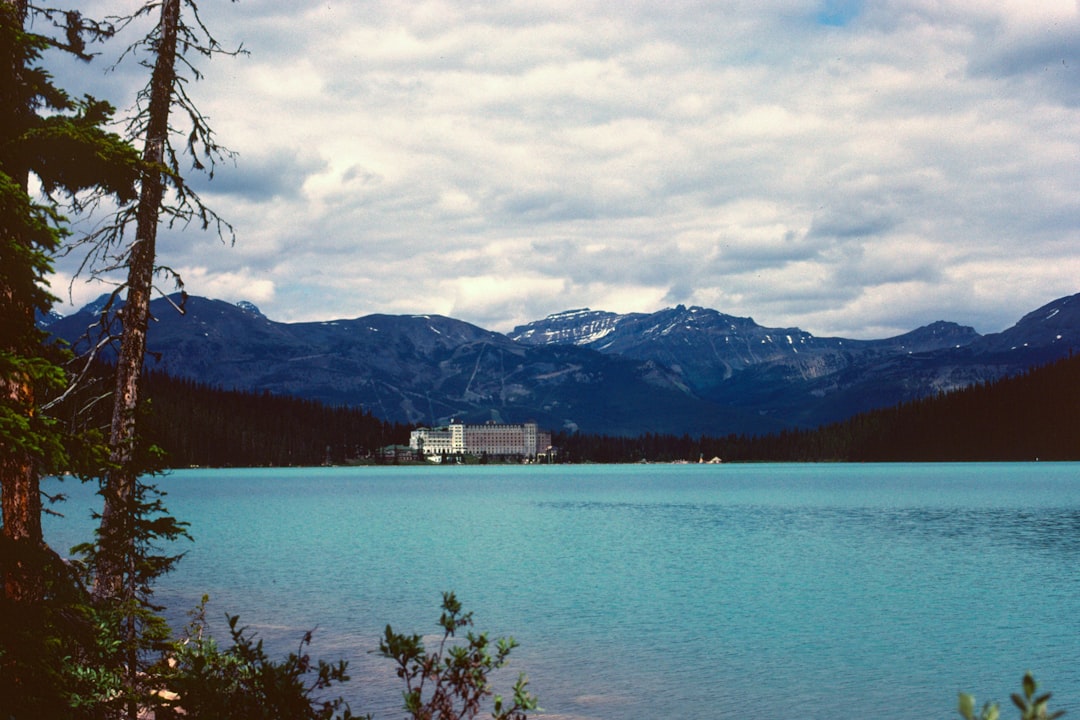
x: 838, y: 13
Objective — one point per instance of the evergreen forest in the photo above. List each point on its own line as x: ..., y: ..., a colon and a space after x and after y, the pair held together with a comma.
x: 1031, y: 416
x: 199, y: 425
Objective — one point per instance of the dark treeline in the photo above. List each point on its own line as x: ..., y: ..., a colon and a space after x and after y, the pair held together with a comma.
x: 1029, y: 416
x: 195, y: 424
x: 200, y: 425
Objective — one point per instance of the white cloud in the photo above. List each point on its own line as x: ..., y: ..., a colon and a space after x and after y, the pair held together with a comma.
x: 230, y: 286
x: 847, y: 167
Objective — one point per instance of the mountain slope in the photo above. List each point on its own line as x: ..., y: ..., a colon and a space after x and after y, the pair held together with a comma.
x: 798, y: 378
x: 423, y: 369
x: 679, y: 370
x: 1040, y: 333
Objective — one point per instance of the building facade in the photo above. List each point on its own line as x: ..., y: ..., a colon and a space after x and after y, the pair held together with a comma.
x: 497, y: 439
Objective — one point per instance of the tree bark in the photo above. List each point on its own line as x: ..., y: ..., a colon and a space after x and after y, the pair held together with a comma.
x: 19, y: 488
x: 117, y: 542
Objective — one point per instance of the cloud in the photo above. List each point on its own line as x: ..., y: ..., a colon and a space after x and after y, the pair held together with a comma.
x: 231, y: 286
x: 847, y: 167
x: 263, y: 178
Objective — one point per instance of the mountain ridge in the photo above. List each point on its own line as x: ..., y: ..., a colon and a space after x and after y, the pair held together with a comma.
x: 414, y: 369
x: 678, y: 370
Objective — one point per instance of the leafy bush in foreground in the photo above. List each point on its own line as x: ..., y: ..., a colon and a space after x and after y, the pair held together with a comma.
x: 452, y: 683
x: 1031, y: 707
x: 205, y: 682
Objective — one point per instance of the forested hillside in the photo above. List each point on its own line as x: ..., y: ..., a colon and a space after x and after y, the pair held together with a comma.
x: 1031, y: 416
x: 195, y: 424
x: 1034, y: 415
x: 199, y: 425
x: 681, y: 370
x: 1028, y: 417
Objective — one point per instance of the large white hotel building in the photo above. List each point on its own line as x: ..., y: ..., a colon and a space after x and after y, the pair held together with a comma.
x: 496, y: 439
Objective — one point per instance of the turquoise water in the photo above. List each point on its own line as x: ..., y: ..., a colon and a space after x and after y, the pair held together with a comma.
x: 750, y: 591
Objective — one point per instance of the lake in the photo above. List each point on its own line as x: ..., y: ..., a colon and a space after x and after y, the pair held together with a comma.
x: 657, y: 591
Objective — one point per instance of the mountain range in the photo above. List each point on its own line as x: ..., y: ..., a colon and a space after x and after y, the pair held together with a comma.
x: 679, y: 370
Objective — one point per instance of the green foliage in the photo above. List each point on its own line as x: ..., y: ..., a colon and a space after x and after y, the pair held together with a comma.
x: 1030, y: 706
x: 27, y: 234
x: 64, y: 144
x: 452, y: 683
x: 82, y: 155
x: 150, y: 531
x: 241, y: 681
x: 57, y: 655
x: 207, y: 427
x: 1029, y: 416
x: 56, y: 651
x: 22, y: 429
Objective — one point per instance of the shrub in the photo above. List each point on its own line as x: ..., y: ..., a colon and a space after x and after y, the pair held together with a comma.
x: 452, y: 683
x: 1030, y: 706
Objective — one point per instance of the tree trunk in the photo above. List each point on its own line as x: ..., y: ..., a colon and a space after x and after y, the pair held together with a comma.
x: 21, y: 497
x: 116, y: 540
x: 21, y: 506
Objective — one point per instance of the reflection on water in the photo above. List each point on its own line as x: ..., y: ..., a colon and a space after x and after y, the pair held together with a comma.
x: 1056, y: 529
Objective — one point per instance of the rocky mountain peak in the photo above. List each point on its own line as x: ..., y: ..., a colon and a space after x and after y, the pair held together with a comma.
x: 1056, y: 324
x: 571, y: 327
x: 249, y: 307
x: 936, y: 336
x: 681, y: 369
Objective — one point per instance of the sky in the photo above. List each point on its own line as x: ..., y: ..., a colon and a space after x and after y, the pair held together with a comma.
x: 851, y: 168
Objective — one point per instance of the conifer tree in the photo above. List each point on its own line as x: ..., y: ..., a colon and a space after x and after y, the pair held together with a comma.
x: 126, y: 559
x: 61, y: 142
x: 163, y: 194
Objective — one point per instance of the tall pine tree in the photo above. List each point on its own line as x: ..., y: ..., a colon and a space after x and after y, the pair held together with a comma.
x: 59, y: 143
x: 44, y: 134
x: 163, y: 195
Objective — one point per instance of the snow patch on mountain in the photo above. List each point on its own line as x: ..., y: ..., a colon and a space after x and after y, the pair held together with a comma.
x: 249, y: 307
